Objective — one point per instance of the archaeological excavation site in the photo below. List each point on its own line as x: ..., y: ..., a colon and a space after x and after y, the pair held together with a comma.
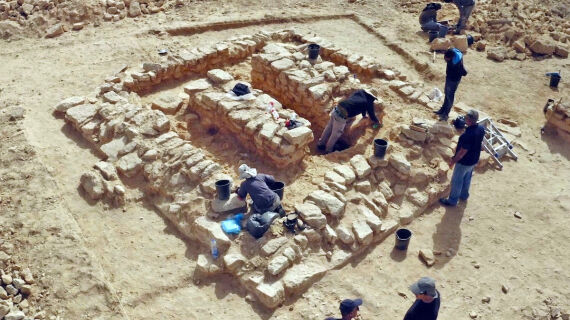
x: 126, y: 126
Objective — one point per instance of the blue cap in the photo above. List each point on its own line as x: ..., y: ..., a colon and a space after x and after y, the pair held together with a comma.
x: 347, y: 305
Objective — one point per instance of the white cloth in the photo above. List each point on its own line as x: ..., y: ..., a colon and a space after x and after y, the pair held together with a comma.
x: 435, y: 95
x: 246, y: 172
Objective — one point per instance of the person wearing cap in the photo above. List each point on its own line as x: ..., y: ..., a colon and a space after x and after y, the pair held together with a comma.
x: 342, y: 116
x: 348, y: 309
x: 465, y: 8
x: 466, y: 156
x: 426, y: 306
x: 453, y: 74
x: 256, y: 185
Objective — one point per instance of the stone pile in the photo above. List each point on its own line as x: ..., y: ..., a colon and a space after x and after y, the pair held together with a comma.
x: 104, y: 183
x: 248, y: 121
x: 519, y: 29
x: 54, y: 17
x: 559, y: 117
x: 16, y: 287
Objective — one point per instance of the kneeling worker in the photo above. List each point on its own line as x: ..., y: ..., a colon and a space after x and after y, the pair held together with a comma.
x: 428, y: 18
x: 342, y: 116
x: 256, y: 185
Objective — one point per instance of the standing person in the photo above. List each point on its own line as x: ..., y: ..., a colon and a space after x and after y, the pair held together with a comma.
x: 342, y: 116
x: 466, y: 157
x: 348, y: 309
x: 453, y: 74
x: 426, y: 306
x: 465, y: 8
x: 428, y: 18
x: 256, y: 185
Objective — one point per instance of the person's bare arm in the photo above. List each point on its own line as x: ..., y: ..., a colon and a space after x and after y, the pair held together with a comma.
x: 458, y: 156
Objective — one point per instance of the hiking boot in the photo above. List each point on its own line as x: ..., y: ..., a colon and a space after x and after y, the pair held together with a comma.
x: 443, y: 117
x: 446, y: 202
x: 438, y: 112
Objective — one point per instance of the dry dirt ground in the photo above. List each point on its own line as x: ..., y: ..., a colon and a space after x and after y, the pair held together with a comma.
x: 94, y: 262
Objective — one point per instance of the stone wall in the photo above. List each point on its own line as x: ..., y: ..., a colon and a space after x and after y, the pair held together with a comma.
x: 248, y: 120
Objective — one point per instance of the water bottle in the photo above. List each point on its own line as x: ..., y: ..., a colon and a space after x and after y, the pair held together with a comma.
x: 272, y: 111
x: 214, y: 249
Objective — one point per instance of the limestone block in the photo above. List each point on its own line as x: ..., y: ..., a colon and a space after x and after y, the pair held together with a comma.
x: 129, y: 165
x: 291, y: 252
x: 167, y: 104
x: 311, y: 214
x: 389, y: 226
x: 64, y: 105
x: 340, y: 257
x: 460, y: 42
x: 231, y: 205
x: 363, y: 186
x: 320, y: 91
x: 371, y: 219
x: 273, y: 245
x: 440, y: 44
x: 416, y: 197
x: 327, y: 202
x: 341, y: 72
x: 376, y: 162
x: 283, y: 64
x: 227, y: 106
x: 277, y: 49
x: 197, y: 85
x: 346, y: 172
x: 415, y: 135
x: 400, y: 163
x: 150, y: 155
x: 312, y: 235
x: 299, y: 136
x: 271, y: 295
x: 442, y: 128
x: 219, y: 76
x: 206, y: 265
x: 268, y: 130
x: 112, y: 148
x: 92, y: 183
x: 333, y: 177
x: 55, y: 30
x: 81, y: 114
x: 205, y: 229
x: 362, y: 232
x: 384, y: 187
x: 361, y: 166
x: 301, y: 276
x: 277, y: 265
x: 107, y: 169
x: 380, y: 199
x: 330, y: 234
x: 112, y: 97
x: 344, y: 234
x: 234, y: 261
x: 543, y: 46
x: 406, y: 90
x: 427, y: 257
x: 301, y: 240
x: 406, y: 215
x: 561, y: 51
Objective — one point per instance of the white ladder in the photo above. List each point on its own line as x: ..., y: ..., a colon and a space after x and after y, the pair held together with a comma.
x: 495, y: 143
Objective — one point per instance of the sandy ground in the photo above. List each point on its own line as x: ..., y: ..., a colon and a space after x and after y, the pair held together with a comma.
x: 96, y: 262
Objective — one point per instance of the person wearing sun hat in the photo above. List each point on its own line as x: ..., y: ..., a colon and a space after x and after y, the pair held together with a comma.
x: 348, y: 309
x: 426, y: 306
x: 342, y: 116
x: 256, y: 185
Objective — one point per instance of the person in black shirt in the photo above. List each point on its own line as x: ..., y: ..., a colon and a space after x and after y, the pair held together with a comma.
x: 342, y: 116
x: 466, y: 157
x: 428, y: 18
x: 453, y: 74
x: 348, y: 309
x: 426, y: 306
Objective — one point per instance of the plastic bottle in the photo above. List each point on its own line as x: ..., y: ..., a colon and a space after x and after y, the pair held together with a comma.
x: 271, y: 110
x: 214, y: 249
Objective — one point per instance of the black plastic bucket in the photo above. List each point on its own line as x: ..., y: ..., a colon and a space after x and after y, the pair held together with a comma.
x: 223, y: 189
x: 380, y: 146
x: 432, y: 35
x: 554, y: 80
x: 403, y: 239
x: 470, y: 40
x: 314, y: 50
x: 278, y: 187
